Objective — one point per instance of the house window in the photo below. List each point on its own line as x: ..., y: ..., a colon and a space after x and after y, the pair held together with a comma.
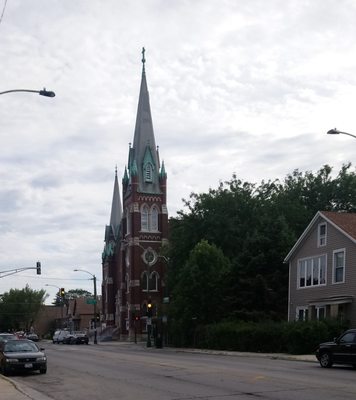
x: 312, y: 271
x: 301, y: 314
x: 322, y: 235
x: 339, y: 266
x: 320, y: 312
x: 144, y: 218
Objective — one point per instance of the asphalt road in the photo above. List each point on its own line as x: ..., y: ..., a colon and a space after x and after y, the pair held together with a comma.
x: 128, y: 371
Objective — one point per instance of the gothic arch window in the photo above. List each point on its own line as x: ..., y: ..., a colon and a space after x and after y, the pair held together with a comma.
x: 154, y: 218
x: 144, y: 281
x: 148, y: 172
x: 153, y: 282
x: 144, y: 218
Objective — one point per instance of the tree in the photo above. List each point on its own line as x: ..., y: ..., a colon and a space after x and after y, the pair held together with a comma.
x: 254, y: 226
x: 71, y: 294
x: 19, y: 308
x: 197, y: 296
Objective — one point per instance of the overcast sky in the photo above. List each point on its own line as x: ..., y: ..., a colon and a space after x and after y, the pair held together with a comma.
x: 245, y: 87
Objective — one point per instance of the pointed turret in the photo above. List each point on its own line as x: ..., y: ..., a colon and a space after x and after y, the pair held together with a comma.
x: 116, y: 208
x: 113, y: 229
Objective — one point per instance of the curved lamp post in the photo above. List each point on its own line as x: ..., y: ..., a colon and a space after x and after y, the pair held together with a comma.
x: 44, y: 92
x: 95, y: 300
x: 59, y: 296
x: 337, y: 132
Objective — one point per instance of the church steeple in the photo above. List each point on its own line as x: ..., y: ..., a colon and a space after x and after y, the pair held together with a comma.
x: 116, y: 208
x: 143, y: 159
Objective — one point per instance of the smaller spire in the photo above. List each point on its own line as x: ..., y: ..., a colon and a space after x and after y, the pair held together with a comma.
x: 143, y: 59
x: 116, y: 170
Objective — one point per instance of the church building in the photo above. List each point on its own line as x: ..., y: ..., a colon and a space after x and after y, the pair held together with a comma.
x: 134, y: 268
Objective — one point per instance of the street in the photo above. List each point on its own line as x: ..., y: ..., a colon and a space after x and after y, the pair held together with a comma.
x: 127, y: 371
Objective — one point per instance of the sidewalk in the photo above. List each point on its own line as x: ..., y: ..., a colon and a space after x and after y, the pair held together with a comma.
x: 10, y: 390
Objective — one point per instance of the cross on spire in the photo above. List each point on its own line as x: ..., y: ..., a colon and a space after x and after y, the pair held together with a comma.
x: 143, y: 59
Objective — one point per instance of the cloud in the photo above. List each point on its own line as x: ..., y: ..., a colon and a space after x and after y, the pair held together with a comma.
x: 235, y: 87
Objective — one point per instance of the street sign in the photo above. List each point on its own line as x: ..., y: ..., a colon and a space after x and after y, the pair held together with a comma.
x: 91, y: 301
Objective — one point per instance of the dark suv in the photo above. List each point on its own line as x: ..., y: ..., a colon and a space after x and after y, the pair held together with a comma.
x: 76, y: 338
x: 341, y: 351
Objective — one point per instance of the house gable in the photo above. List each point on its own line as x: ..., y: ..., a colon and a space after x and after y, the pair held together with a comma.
x: 343, y: 222
x: 322, y: 269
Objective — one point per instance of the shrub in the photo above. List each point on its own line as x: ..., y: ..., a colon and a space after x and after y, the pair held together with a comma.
x: 266, y: 337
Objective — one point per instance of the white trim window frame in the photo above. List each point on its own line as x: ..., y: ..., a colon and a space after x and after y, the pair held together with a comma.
x: 322, y: 234
x: 311, y: 271
x: 339, y: 266
x: 301, y: 313
x: 320, y: 312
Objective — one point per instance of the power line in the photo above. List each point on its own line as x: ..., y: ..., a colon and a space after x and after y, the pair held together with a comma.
x: 3, y: 11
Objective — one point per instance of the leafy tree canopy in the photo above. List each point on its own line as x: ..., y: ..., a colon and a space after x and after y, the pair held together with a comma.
x: 19, y: 308
x: 253, y: 227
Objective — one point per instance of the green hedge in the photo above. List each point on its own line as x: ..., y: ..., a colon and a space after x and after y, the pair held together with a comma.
x: 265, y: 337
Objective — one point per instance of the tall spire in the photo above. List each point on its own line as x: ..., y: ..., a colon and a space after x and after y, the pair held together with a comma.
x: 144, y: 152
x: 116, y: 213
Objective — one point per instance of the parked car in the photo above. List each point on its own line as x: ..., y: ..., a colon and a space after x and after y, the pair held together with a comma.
x: 7, y: 336
x: 77, y: 337
x: 21, y: 355
x: 32, y: 336
x: 341, y: 350
x: 59, y: 336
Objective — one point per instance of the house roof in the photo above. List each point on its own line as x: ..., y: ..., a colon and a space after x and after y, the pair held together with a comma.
x: 79, y: 306
x: 342, y: 221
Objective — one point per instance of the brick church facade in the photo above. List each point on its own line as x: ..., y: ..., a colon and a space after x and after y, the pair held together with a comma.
x: 134, y: 269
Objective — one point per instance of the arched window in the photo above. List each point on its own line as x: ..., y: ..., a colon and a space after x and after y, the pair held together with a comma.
x: 148, y: 172
x: 154, y: 218
x: 144, y: 218
x: 144, y: 281
x: 154, y: 281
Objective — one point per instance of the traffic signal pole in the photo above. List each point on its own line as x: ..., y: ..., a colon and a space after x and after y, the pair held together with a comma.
x: 17, y: 270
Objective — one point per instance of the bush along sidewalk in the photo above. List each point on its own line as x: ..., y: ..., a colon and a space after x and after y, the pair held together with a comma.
x: 265, y: 337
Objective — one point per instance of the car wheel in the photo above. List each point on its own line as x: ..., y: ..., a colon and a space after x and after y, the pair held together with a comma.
x: 325, y: 360
x: 43, y: 370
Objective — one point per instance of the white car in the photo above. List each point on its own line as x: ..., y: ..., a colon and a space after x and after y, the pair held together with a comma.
x: 59, y: 336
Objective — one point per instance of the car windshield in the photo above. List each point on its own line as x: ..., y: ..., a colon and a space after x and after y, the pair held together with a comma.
x: 19, y: 346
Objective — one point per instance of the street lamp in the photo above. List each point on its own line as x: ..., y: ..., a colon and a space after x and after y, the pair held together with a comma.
x: 95, y: 299
x: 44, y: 92
x: 337, y: 132
x: 59, y: 296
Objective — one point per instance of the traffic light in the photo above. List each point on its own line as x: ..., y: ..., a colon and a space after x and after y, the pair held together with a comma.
x: 149, y: 308
x: 38, y: 268
x: 62, y: 292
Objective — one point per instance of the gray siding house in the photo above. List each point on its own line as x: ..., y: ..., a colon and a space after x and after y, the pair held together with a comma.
x: 322, y: 269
